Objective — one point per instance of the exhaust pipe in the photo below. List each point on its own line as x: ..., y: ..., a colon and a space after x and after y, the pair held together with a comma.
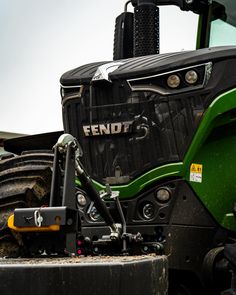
x: 137, y: 34
x: 146, y: 28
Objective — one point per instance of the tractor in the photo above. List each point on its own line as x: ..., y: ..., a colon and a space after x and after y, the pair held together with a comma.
x: 145, y: 166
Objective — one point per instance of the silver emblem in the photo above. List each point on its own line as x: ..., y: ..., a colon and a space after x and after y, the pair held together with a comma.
x: 106, y: 129
x: 104, y: 70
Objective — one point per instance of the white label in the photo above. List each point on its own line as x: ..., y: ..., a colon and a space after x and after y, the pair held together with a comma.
x: 195, y: 177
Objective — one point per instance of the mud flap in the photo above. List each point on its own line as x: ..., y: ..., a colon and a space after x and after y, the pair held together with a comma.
x: 146, y: 275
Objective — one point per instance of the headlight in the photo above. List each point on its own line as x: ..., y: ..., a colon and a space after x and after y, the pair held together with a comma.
x: 191, y: 77
x: 81, y: 199
x: 148, y: 211
x: 163, y: 195
x: 173, y: 81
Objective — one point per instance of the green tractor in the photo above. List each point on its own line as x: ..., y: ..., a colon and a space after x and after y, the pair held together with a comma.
x: 146, y: 165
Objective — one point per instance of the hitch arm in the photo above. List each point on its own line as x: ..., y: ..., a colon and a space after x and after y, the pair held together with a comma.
x: 63, y: 143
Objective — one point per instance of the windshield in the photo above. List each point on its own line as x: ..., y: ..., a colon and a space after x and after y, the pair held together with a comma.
x: 223, y: 24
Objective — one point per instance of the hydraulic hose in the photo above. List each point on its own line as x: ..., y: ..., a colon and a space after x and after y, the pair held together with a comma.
x: 94, y: 196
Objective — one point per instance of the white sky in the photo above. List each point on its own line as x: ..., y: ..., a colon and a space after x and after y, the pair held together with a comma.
x: 41, y: 39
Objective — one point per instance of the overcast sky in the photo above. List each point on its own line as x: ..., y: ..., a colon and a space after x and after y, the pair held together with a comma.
x: 41, y: 39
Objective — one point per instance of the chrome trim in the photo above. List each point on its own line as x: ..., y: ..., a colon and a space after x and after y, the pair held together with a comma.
x: 166, y: 73
x: 208, y: 71
x: 73, y: 96
x: 162, y: 91
x: 76, y: 86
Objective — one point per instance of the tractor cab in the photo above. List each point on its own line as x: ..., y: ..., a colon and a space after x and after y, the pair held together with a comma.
x: 223, y: 24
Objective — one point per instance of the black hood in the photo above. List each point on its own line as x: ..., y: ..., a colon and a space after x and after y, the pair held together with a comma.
x: 140, y: 66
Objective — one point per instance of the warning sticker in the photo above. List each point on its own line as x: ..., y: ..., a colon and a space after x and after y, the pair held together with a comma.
x: 196, y: 172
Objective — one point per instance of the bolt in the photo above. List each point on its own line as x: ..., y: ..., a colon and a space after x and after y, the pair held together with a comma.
x: 69, y: 221
x: 145, y: 248
x: 87, y: 240
x: 95, y: 250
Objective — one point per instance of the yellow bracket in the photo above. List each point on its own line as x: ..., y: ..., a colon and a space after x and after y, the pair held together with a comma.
x: 49, y: 228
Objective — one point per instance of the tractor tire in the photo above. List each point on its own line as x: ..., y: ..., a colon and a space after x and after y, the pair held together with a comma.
x: 25, y: 181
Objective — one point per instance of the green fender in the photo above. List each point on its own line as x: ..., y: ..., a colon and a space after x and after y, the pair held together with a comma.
x: 214, y: 147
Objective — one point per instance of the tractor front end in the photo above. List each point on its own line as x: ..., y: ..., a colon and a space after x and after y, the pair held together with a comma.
x: 146, y: 164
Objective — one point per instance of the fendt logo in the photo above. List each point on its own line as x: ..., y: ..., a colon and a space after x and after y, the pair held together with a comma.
x: 106, y: 129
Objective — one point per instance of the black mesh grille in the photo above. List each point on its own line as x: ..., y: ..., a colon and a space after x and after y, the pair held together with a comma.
x: 159, y: 133
x: 146, y: 30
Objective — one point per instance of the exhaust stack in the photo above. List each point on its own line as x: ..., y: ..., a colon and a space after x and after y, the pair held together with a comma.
x: 137, y: 34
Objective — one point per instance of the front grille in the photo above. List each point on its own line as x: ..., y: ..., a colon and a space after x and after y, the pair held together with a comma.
x: 160, y: 129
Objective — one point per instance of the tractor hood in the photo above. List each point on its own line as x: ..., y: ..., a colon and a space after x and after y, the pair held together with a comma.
x: 144, y: 65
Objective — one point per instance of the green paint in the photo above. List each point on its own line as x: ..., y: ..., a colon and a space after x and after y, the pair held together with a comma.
x: 131, y: 189
x: 199, y: 32
x: 214, y: 146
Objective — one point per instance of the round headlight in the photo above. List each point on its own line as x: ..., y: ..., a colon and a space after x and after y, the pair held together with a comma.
x: 148, y: 211
x: 163, y: 195
x: 191, y: 77
x: 81, y: 200
x: 173, y: 81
